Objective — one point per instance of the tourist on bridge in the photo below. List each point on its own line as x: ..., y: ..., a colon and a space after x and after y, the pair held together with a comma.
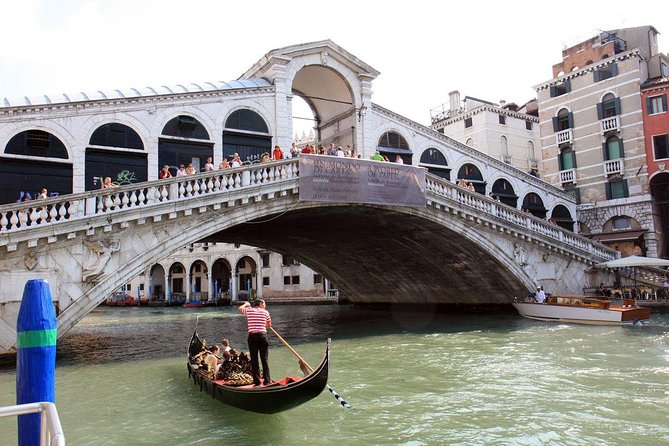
x: 277, y: 153
x: 209, y: 166
x: 182, y: 170
x: 377, y: 156
x: 165, y: 172
x: 257, y: 319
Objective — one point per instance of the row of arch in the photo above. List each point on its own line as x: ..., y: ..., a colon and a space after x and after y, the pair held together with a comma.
x: 117, y: 151
x: 196, y: 281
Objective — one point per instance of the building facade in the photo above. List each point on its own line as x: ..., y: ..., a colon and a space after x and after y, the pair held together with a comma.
x: 504, y: 131
x: 592, y: 136
x: 656, y: 133
x: 228, y: 273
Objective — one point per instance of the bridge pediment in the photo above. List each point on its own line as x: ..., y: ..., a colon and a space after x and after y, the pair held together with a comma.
x: 327, y: 52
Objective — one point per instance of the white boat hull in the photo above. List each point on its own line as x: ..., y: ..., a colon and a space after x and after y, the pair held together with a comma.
x: 581, y: 315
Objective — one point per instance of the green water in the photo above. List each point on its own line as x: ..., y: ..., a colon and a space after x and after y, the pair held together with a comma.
x: 413, y: 378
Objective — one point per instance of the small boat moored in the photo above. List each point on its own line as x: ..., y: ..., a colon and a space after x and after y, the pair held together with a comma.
x: 284, y: 394
x: 584, y: 310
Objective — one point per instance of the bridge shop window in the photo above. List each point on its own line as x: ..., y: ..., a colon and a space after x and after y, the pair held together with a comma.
x: 392, y: 144
x: 41, y: 161
x: 116, y: 151
x: 193, y: 145
x: 533, y: 204
x: 436, y: 163
x: 503, y: 190
x: 562, y: 217
x: 247, y: 134
x: 471, y: 174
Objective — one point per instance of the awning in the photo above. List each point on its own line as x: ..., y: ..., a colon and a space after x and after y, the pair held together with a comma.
x: 396, y: 151
x: 621, y: 236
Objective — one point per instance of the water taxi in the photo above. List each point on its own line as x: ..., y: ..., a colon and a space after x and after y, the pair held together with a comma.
x: 584, y: 310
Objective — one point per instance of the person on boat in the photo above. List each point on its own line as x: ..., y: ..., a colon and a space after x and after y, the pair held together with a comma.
x: 603, y: 291
x: 540, y: 296
x: 258, y: 319
x: 211, y: 360
x: 225, y: 346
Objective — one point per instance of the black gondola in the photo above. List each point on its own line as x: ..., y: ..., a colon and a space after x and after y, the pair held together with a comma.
x: 288, y: 392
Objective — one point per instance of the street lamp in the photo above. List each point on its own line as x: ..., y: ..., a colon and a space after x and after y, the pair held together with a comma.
x: 362, y: 112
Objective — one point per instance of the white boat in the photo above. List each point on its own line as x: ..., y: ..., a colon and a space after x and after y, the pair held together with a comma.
x: 584, y: 310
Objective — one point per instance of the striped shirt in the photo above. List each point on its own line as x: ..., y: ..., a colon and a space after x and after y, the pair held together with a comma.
x: 257, y: 319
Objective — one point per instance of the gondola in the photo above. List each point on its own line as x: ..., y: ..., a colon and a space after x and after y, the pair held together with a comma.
x: 284, y: 394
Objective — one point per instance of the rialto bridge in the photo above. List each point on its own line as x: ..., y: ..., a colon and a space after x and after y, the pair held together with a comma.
x: 462, y: 246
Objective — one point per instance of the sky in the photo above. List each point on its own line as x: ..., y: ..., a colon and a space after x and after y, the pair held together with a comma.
x: 423, y: 50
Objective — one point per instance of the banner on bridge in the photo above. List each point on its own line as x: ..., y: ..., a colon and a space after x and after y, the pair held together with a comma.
x: 355, y: 180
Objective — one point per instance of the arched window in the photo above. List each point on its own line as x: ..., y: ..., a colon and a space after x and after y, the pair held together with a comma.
x: 36, y: 143
x: 471, y: 174
x: 236, y: 138
x: 185, y: 126
x: 177, y: 285
x: 613, y: 148
x: 609, y: 107
x: 436, y: 163
x: 563, y: 121
x: 122, y: 166
x: 530, y: 151
x: 535, y: 205
x: 469, y: 142
x: 392, y: 144
x: 42, y: 162
x: 504, y: 149
x: 174, y: 152
x: 248, y: 120
x: 562, y: 217
x: 116, y: 135
x: 503, y: 190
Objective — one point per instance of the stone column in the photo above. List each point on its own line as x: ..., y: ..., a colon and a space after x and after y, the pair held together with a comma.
x: 188, y: 280
x: 210, y: 284
x: 168, y: 288
x: 233, y: 283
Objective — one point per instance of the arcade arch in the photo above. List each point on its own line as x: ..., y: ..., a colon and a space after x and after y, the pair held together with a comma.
x: 247, y: 134
x: 38, y: 154
x: 503, y: 190
x: 247, y: 278
x: 330, y: 96
x: 392, y: 144
x: 436, y: 163
x: 104, y: 159
x: 184, y: 140
x: 562, y: 217
x: 534, y: 205
x: 471, y: 174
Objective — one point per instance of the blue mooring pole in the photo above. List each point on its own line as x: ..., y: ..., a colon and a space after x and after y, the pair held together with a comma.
x: 35, y: 356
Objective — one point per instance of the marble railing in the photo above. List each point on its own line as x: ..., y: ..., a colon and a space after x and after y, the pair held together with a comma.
x: 26, y: 216
x: 524, y: 222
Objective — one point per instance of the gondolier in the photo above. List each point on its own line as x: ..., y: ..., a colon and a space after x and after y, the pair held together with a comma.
x: 258, y: 319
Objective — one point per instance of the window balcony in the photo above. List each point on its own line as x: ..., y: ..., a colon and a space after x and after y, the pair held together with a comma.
x: 564, y: 137
x: 568, y: 176
x: 614, y: 166
x: 611, y: 124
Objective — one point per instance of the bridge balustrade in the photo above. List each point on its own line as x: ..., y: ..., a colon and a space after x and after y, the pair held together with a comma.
x: 29, y: 215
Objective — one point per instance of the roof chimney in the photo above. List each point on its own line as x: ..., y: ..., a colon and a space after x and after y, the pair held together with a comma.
x: 454, y: 100
x: 502, y: 102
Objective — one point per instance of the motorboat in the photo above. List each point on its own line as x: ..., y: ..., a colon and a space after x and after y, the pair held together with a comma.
x: 584, y: 310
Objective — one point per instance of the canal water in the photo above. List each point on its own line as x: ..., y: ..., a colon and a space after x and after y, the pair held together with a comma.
x: 414, y: 376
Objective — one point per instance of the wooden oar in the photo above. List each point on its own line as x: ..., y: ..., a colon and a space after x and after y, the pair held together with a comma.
x: 307, y: 369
